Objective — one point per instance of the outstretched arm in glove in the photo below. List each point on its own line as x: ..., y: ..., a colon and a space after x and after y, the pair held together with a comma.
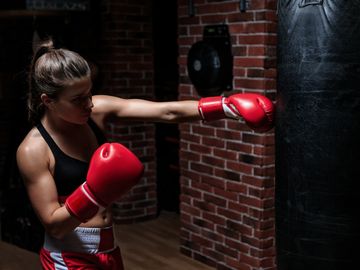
x: 257, y: 110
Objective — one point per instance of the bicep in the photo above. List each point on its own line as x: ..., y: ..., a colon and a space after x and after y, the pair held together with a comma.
x: 39, y: 184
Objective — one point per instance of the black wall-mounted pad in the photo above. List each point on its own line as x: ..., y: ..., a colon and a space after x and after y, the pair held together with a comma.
x: 318, y: 135
x: 210, y: 62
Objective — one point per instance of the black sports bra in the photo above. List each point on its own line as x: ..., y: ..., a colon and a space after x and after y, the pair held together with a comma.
x: 69, y: 172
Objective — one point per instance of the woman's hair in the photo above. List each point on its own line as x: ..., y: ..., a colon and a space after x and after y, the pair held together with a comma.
x: 51, y: 71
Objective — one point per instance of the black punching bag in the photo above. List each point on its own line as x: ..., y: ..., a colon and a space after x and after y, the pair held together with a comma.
x: 318, y: 135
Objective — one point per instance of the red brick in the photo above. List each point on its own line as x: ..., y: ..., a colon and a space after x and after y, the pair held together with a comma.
x: 239, y: 71
x: 190, y: 156
x: 200, y: 148
x: 236, y: 187
x: 262, y: 234
x: 227, y: 232
x: 190, y: 228
x: 217, y: 256
x: 249, y: 62
x: 236, y: 264
x: 213, y: 19
x: 213, y: 181
x: 191, y: 175
x: 256, y: 72
x: 191, y: 192
x: 240, y: 17
x: 213, y: 142
x: 215, y: 200
x: 229, y: 155
x: 202, y: 241
x: 239, y: 227
x: 203, y: 224
x: 218, y: 220
x: 238, y: 245
x: 212, y: 235
x: 257, y: 4
x: 217, y: 8
x: 200, y: 168
x: 233, y: 211
x: 269, y: 262
x: 202, y: 130
x: 239, y: 51
x: 189, y: 210
x: 236, y: 207
x: 228, y: 251
x: 254, y: 262
x: 202, y: 187
x: 250, y: 201
x: 213, y: 161
x: 239, y: 167
x: 204, y: 206
x: 231, y: 196
x: 250, y: 83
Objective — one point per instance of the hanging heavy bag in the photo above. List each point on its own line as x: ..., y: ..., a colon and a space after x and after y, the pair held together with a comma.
x: 317, y: 135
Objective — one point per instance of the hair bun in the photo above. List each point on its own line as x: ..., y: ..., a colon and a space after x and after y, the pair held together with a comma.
x: 42, y: 47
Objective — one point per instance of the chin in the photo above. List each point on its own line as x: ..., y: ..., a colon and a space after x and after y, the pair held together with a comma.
x: 84, y: 120
x: 80, y: 121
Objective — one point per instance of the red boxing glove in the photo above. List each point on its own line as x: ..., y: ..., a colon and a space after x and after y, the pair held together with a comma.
x: 113, y: 170
x: 257, y: 110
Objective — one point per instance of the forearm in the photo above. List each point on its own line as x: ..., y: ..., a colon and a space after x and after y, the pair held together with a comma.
x: 181, y: 111
x: 60, y: 223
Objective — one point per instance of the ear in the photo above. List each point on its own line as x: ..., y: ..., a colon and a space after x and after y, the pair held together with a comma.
x: 46, y: 100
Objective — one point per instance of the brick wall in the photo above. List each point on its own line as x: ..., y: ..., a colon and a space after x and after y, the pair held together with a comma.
x: 227, y: 170
x: 126, y: 69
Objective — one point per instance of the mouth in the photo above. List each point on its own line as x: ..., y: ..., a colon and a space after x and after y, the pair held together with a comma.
x: 87, y: 114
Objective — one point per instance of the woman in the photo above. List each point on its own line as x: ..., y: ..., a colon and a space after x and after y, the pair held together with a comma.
x: 68, y: 123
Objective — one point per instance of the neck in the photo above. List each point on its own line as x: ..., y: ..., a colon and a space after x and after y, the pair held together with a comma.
x: 59, y: 125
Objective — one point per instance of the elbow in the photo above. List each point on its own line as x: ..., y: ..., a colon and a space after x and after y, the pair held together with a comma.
x: 56, y: 231
x: 171, y: 118
x: 59, y: 225
x: 175, y: 117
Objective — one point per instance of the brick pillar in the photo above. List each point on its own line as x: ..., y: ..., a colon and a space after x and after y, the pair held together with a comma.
x: 227, y: 170
x: 125, y: 61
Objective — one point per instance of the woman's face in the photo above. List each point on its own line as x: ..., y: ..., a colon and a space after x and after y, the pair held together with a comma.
x: 74, y: 103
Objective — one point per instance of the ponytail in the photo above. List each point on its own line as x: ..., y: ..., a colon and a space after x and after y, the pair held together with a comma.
x: 34, y: 104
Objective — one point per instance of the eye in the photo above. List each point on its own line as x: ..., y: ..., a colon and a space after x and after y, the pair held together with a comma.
x: 82, y: 99
x: 76, y: 100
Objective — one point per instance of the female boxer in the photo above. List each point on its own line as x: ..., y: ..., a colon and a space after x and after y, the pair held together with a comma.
x: 72, y: 175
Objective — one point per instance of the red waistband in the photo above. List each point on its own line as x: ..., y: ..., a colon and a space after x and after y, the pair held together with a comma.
x: 106, y: 239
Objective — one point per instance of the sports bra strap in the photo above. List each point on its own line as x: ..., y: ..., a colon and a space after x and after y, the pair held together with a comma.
x: 53, y: 146
x: 56, y: 149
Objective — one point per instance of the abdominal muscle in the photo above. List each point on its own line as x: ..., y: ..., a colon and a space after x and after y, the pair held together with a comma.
x: 100, y: 220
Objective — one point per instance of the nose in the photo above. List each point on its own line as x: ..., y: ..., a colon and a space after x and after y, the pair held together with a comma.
x: 89, y: 103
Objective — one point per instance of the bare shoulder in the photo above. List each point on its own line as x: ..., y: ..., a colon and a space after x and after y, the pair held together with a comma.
x: 33, y: 153
x: 33, y: 143
x: 107, y: 104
